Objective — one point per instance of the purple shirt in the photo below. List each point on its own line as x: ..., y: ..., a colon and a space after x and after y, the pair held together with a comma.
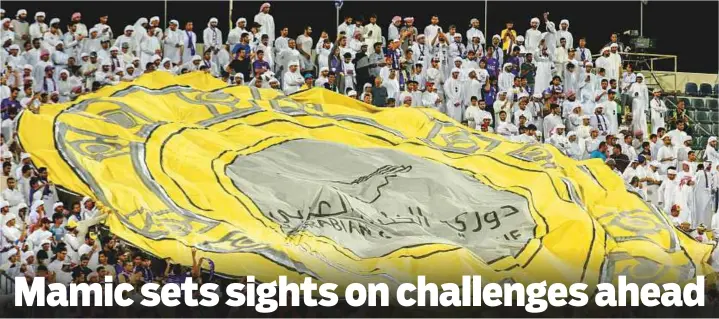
x: 8, y: 104
x: 489, y: 97
x: 176, y: 279
x: 394, y: 55
x: 336, y: 65
x: 492, y: 67
x: 515, y: 64
x: 259, y: 64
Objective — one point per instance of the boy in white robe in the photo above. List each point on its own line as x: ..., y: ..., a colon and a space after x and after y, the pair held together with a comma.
x: 350, y: 78
x: 105, y: 76
x: 322, y: 78
x: 454, y: 92
x: 523, y: 110
x: 710, y: 152
x: 149, y: 46
x: 38, y: 28
x: 68, y: 86
x: 189, y: 47
x: 418, y: 75
x: 652, y: 181
x: 506, y: 78
x: 639, y: 104
x: 233, y: 37
x: 574, y: 120
x: 703, y: 200
x: 92, y: 43
x: 610, y: 111
x: 503, y: 103
x: 430, y: 98
x: 59, y: 57
x: 657, y: 109
x: 532, y: 36
x: 563, y: 32
x: 558, y: 139
x: 212, y: 37
x: 475, y: 32
x: 668, y: 191
x: 287, y: 56
x: 266, y: 21
x: 173, y: 43
x: 552, y: 120
x: 473, y: 114
x: 575, y: 149
x: 53, y: 35
x: 127, y: 37
x: 616, y: 62
x: 472, y: 87
x: 421, y: 50
x: 392, y: 85
x: 545, y: 67
x: 667, y: 154
x: 584, y: 130
x: 292, y: 79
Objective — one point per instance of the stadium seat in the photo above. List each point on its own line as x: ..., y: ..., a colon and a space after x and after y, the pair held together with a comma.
x: 716, y: 90
x: 686, y: 101
x: 705, y: 117
x: 703, y: 129
x: 705, y: 89
x: 671, y: 100
x: 699, y: 142
x: 715, y: 129
x: 692, y: 116
x: 691, y: 89
x: 698, y: 104
x: 712, y: 104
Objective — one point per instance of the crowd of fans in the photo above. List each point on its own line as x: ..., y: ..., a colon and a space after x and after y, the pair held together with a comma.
x: 540, y: 87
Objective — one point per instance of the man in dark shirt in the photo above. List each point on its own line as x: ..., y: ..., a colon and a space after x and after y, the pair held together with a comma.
x: 620, y: 159
x: 379, y: 93
x: 376, y: 58
x: 147, y: 273
x: 241, y: 64
x: 680, y: 115
x: 361, y: 62
x: 10, y: 102
x: 82, y: 267
x: 528, y: 70
x: 332, y: 82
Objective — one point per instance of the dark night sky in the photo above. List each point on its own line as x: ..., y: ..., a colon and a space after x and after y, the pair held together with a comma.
x: 684, y: 28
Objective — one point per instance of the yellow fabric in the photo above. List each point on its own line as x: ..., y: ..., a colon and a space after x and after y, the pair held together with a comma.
x: 592, y: 234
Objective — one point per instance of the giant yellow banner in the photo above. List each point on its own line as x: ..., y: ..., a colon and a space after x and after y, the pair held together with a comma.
x: 317, y: 184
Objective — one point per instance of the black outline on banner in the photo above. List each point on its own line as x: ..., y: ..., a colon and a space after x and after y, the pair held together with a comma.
x: 256, y: 94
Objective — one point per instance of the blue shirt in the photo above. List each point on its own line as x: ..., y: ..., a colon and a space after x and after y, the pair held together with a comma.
x: 8, y: 104
x: 58, y: 232
x: 598, y: 154
x: 239, y: 47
